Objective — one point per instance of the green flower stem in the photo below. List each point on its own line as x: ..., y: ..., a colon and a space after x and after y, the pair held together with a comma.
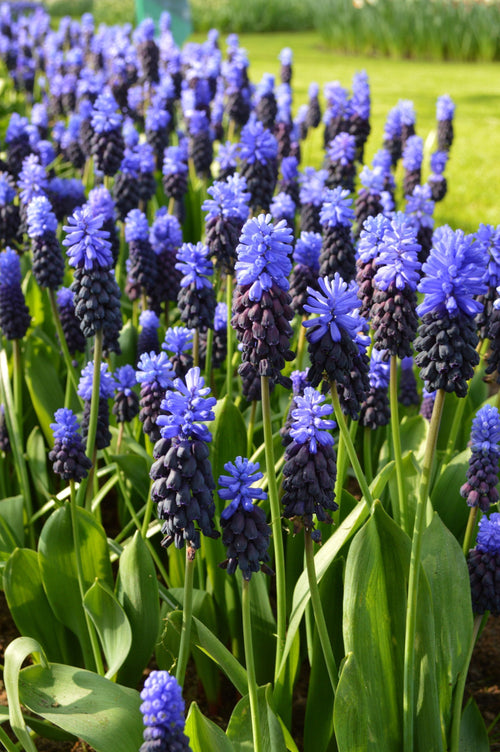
x: 147, y: 514
x: 416, y: 548
x: 92, y: 661
x: 341, y: 467
x: 208, y: 356
x: 319, y: 616
x: 367, y: 453
x: 251, y: 428
x: 18, y: 383
x: 455, y: 428
x: 301, y: 344
x: 196, y: 347
x: 62, y: 339
x: 479, y: 623
x: 469, y: 531
x: 121, y: 430
x: 187, y: 615
x: 94, y: 412
x: 229, y: 358
x: 250, y: 665
x: 396, y: 443
x: 339, y: 417
x: 279, y: 556
x: 8, y: 743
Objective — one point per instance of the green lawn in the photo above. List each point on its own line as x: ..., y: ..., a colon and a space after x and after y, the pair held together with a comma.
x: 473, y: 171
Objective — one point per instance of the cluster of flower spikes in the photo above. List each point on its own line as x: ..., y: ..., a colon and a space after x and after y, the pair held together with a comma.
x: 393, y: 309
x: 258, y: 153
x: 107, y: 145
x: 219, y: 340
x: 162, y: 710
x: 15, y: 317
x: 10, y: 227
x: 310, y: 466
x: 107, y: 385
x: 48, y: 261
x: 482, y: 474
x: 369, y: 199
x: 183, y: 484
x: 97, y: 295
x: 336, y: 347
x: 369, y: 243
x: 341, y: 155
x: 261, y: 304
x: 148, y: 340
x: 196, y: 299
x: 375, y: 410
x: 227, y: 211
x: 245, y: 532
x: 408, y: 394
x: 154, y: 374
x: 142, y: 268
x: 68, y: 453
x: 489, y: 237
x: 312, y: 185
x: 483, y: 562
x: 447, y: 339
x: 338, y: 255
x: 165, y: 236
x: 306, y: 270
x: 126, y: 402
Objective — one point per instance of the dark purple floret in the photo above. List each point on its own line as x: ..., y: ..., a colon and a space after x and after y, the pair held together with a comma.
x: 337, y: 250
x: 126, y: 402
x: 408, y: 394
x: 163, y: 714
x: 259, y: 156
x: 155, y: 374
x: 484, y: 567
x: 306, y: 270
x: 68, y: 453
x: 312, y: 185
x: 480, y: 490
x: 73, y: 335
x: 341, y: 153
x: 14, y: 314
x: 445, y: 111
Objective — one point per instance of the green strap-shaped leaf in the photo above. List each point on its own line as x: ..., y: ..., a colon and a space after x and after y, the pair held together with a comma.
x: 102, y: 713
x: 11, y: 511
x: 15, y: 655
x: 239, y: 729
x: 137, y: 591
x: 446, y: 493
x: 43, y: 384
x: 204, y: 735
x: 111, y: 623
x: 473, y: 733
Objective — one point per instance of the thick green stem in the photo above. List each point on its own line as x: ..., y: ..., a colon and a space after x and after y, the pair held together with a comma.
x: 196, y: 347
x: 251, y: 427
x: 208, y: 356
x: 93, y: 661
x: 319, y: 616
x: 229, y: 358
x: 18, y: 384
x: 346, y: 436
x: 414, y: 576
x: 147, y: 514
x: 458, y: 696
x: 187, y: 615
x: 469, y: 531
x: 250, y: 664
x: 94, y: 410
x: 7, y: 742
x: 455, y: 428
x: 367, y: 453
x: 279, y: 556
x: 396, y: 443
x: 301, y: 344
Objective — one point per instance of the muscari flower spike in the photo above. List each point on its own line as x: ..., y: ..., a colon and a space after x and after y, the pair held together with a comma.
x: 483, y: 562
x: 309, y: 424
x: 107, y: 384
x: 482, y: 474
x: 238, y: 486
x: 333, y: 305
x: 162, y: 709
x: 14, y: 314
x: 189, y: 406
x: 88, y: 245
x: 194, y: 263
x: 68, y: 453
x: 397, y: 261
x: 263, y: 255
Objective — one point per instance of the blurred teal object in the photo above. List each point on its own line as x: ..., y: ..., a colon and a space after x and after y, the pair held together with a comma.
x: 180, y: 15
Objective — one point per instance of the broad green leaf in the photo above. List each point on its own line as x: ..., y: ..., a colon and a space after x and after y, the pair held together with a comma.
x: 137, y: 591
x: 446, y: 569
x: 473, y: 733
x: 413, y: 433
x: 445, y: 494
x: 411, y: 474
x: 58, y: 565
x: 102, y: 713
x: 351, y: 710
x: 15, y: 654
x: 263, y: 628
x: 12, y: 511
x: 136, y: 471
x: 43, y: 384
x: 8, y: 540
x: 239, y: 729
x: 37, y: 461
x: 111, y: 623
x: 128, y: 344
x: 42, y: 728
x: 30, y: 608
x: 204, y: 735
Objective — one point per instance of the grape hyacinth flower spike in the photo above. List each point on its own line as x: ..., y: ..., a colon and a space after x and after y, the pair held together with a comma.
x: 413, y: 152
x: 489, y: 237
x: 359, y: 112
x: 313, y: 117
x: 445, y: 111
x: 126, y: 401
x: 107, y: 146
x: 483, y: 562
x: 107, y: 387
x: 245, y: 532
x: 436, y: 180
x: 10, y: 225
x: 227, y: 210
x: 165, y: 237
x: 162, y: 710
x: 68, y: 453
x: 178, y: 343
x: 312, y: 185
x: 196, y: 299
x: 258, y: 153
x: 370, y: 240
x: 341, y: 153
x: 337, y: 249
x: 408, y: 394
x: 175, y: 180
x: 148, y: 336
x: 142, y: 269
x: 375, y: 410
x: 369, y: 199
x: 482, y: 474
x: 306, y: 270
x: 420, y: 207
x: 447, y: 339
x: 73, y: 335
x: 48, y: 262
x: 15, y: 317
x: 155, y: 374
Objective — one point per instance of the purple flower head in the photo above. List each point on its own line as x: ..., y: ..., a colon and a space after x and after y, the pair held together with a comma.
x: 413, y: 153
x: 107, y: 384
x: 66, y: 427
x: 174, y: 162
x: 156, y: 119
x: 488, y: 536
x: 65, y: 297
x: 380, y: 370
x: 283, y: 207
x: 16, y: 128
x: 289, y: 168
x: 7, y: 191
x: 39, y: 115
x: 149, y: 320
x: 382, y: 160
x: 130, y: 133
x: 195, y: 264
x: 155, y: 368
x: 45, y: 152
x: 220, y: 317
x: 165, y: 233
x: 307, y: 250
x: 336, y: 209
x: 125, y: 379
x: 68, y: 189
x: 485, y: 432
x: 198, y: 122
x: 146, y: 157
x: 334, y: 305
x: 145, y: 32
x: 398, y: 255
x: 10, y: 269
x: 105, y: 116
x: 131, y: 162
x: 284, y: 101
x: 489, y: 237
x: 371, y: 236
x: 265, y: 87
x: 257, y: 143
x: 438, y: 162
x: 188, y: 407
x: 229, y: 199
x: 41, y: 219
x: 336, y: 98
x: 32, y: 180
x: 286, y: 56
x: 421, y: 206
x: 263, y: 255
x: 227, y: 156
x: 178, y: 339
x: 136, y: 226
x: 312, y: 186
x: 86, y: 242
x: 162, y: 706
x: 239, y: 488
x: 342, y: 148
x: 454, y: 274
x: 407, y: 112
x: 360, y: 100
x: 309, y: 424
x: 372, y: 180
x: 445, y: 107
x: 392, y: 127
x: 299, y: 381
x: 102, y: 202
x: 313, y: 90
